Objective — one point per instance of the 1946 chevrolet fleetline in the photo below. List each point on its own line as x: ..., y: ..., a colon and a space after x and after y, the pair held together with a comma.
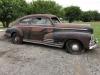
x: 47, y: 29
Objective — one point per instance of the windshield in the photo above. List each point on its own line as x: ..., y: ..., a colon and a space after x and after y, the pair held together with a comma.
x: 55, y: 20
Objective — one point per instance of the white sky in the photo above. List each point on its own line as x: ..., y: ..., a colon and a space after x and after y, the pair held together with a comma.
x: 83, y: 4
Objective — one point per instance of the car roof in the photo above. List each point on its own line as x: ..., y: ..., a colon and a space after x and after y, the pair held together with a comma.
x: 40, y: 15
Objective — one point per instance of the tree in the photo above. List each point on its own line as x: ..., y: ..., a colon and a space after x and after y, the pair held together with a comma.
x: 96, y: 15
x: 11, y: 9
x: 0, y: 8
x: 45, y: 7
x: 86, y: 16
x: 72, y: 13
x: 90, y: 16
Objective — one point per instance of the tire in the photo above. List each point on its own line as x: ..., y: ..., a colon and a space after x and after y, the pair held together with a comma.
x: 74, y: 47
x: 16, y: 39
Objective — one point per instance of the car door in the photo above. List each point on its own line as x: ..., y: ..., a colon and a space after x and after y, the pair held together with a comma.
x: 41, y: 27
x: 25, y: 26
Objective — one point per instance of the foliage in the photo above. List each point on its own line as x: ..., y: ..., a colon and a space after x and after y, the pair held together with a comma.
x: 90, y: 16
x: 0, y: 8
x: 72, y: 13
x: 96, y: 15
x: 45, y: 7
x: 11, y: 9
x: 86, y: 16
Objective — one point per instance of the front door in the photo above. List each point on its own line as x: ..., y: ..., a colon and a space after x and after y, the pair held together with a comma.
x: 41, y: 26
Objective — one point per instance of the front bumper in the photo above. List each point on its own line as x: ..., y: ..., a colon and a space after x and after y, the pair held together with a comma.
x: 93, y: 47
x: 93, y: 43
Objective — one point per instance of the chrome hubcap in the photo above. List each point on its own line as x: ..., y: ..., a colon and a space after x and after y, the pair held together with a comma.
x: 16, y: 38
x: 75, y: 47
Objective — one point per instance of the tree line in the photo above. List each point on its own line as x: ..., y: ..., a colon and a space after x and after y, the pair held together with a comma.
x: 13, y: 9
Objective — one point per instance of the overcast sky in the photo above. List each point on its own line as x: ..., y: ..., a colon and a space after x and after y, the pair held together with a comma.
x: 83, y: 4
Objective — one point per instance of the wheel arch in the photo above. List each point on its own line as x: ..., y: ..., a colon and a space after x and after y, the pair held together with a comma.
x: 72, y: 39
x: 19, y: 32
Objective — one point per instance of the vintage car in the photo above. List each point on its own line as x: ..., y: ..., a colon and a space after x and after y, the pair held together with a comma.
x: 47, y: 29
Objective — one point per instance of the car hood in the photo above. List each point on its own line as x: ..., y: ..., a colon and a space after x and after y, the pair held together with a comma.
x: 72, y: 25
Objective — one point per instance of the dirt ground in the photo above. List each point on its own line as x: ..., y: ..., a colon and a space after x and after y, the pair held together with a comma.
x: 33, y: 59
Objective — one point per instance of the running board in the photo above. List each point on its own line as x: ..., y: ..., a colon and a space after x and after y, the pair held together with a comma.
x: 48, y: 43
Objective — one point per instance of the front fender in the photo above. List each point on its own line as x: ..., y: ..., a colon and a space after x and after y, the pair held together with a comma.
x: 84, y: 38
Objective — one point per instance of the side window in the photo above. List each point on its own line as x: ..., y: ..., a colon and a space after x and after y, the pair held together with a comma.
x: 55, y: 20
x: 26, y: 21
x: 40, y: 21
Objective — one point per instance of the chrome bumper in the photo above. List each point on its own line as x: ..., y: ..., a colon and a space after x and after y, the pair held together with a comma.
x: 93, y: 43
x: 93, y: 47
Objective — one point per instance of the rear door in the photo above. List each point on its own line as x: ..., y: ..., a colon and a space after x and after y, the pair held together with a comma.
x: 25, y: 26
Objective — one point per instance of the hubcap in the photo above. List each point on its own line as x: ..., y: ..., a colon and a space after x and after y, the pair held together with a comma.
x: 75, y: 47
x: 16, y: 39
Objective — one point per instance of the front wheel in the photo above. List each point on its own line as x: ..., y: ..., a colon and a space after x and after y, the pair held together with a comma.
x: 74, y: 47
x: 16, y: 39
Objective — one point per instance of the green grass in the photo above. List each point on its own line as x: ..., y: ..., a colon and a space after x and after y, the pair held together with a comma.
x: 96, y: 27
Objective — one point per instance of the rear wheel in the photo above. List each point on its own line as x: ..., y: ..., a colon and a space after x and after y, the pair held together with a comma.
x: 74, y: 47
x: 16, y: 39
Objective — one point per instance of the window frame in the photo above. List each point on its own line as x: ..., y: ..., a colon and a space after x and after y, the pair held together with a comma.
x: 51, y: 24
x: 52, y: 20
x: 23, y: 19
x: 43, y: 24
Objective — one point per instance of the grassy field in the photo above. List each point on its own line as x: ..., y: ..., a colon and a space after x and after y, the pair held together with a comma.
x: 95, y: 26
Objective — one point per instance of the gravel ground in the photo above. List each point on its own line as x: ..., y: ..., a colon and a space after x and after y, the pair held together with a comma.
x: 32, y: 59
